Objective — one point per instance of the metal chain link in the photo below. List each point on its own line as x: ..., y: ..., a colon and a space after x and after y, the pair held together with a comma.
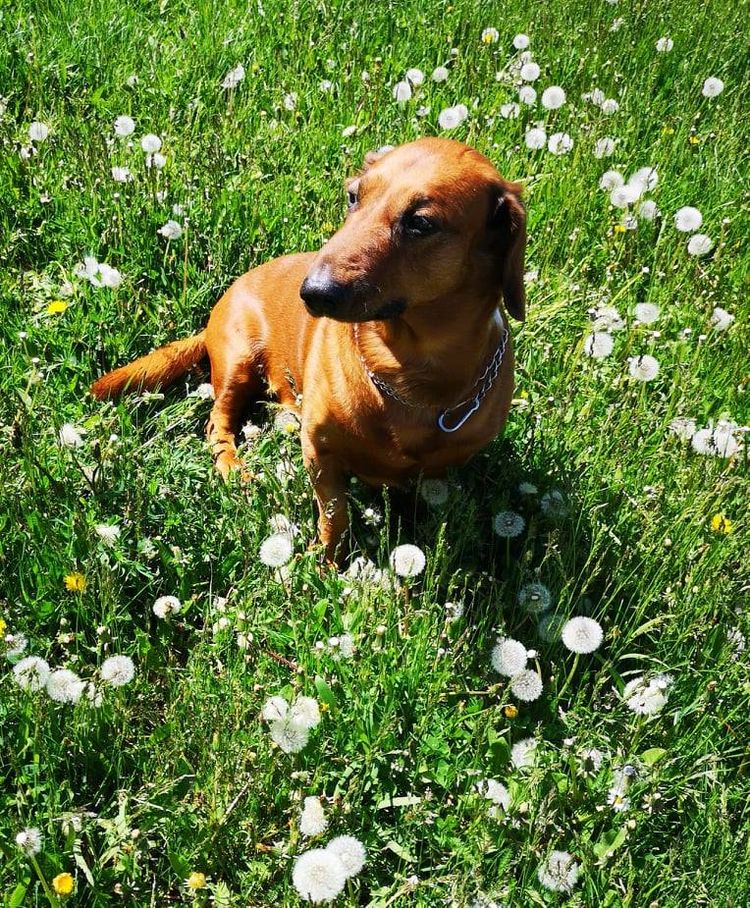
x: 485, y: 382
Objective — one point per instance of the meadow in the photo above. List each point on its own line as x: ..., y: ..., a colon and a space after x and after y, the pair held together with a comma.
x: 154, y: 151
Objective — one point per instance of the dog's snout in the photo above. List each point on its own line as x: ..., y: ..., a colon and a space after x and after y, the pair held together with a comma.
x: 321, y: 293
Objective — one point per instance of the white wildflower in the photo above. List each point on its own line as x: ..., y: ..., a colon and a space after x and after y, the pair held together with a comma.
x: 510, y: 111
x: 526, y: 685
x: 521, y: 41
x: 38, y: 132
x: 647, y: 210
x: 664, y: 45
x: 599, y: 344
x: 121, y: 174
x: 31, y: 673
x: 276, y: 550
x: 535, y: 598
x: 65, y: 686
x: 527, y: 94
x: 646, y: 313
x: 305, y: 712
x: 451, y: 117
x: 553, y: 97
x: 490, y: 36
x: 530, y: 72
x: 682, y: 427
x: 439, y: 74
x: 312, y: 820
x: 611, y: 179
x: 699, y: 244
x: 291, y: 737
x: 29, y: 840
x: 712, y: 87
x: 559, y: 872
x: 109, y: 533
x: 494, y: 791
x: 508, y: 524
x: 415, y: 76
x: 275, y: 709
x: 350, y: 851
x: 150, y: 143
x: 318, y: 876
x: 607, y: 318
x: 604, y: 147
x: 560, y: 143
x: 524, y: 753
x: 117, y: 670
x: 643, y: 368
x: 408, y: 560
x: 582, y: 635
x: 509, y: 657
x: 171, y: 230
x: 402, y: 91
x: 646, y: 698
x: 165, y: 606
x: 124, y: 126
x: 688, y: 219
x: 609, y: 106
x: 70, y: 436
x: 721, y: 319
x: 535, y: 138
x: 234, y: 77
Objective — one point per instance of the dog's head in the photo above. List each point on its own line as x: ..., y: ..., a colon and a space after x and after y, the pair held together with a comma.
x: 427, y: 221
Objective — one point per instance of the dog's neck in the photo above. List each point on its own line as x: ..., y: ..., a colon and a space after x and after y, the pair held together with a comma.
x: 432, y: 355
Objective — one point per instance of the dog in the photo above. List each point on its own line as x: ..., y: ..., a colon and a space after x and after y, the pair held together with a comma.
x: 391, y: 344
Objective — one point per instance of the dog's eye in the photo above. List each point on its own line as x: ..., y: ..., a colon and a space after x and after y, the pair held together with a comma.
x: 419, y: 225
x: 352, y: 198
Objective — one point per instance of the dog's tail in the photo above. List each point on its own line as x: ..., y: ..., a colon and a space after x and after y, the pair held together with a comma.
x: 158, y: 369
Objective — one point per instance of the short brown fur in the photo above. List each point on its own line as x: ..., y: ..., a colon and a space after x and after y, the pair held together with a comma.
x: 442, y: 294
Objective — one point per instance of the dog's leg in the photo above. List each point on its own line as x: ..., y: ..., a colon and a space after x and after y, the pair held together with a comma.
x: 234, y: 388
x: 329, y: 484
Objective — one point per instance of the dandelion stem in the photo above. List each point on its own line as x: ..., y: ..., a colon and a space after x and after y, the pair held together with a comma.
x: 570, y: 676
x: 51, y: 897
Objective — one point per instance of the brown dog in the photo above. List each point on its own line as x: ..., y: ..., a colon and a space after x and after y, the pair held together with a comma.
x: 392, y: 334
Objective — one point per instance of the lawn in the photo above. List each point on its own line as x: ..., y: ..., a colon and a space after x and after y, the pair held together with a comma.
x: 169, y: 775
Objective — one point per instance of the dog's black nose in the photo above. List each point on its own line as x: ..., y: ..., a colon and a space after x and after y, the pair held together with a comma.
x: 321, y: 293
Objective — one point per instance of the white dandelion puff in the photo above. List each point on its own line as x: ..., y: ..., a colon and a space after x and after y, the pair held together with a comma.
x: 439, y: 74
x: 624, y: 196
x: 582, y: 635
x: 510, y: 111
x: 559, y: 872
x: 509, y: 657
x: 31, y: 673
x: 408, y: 560
x: 402, y: 91
x: 234, y: 77
x: 165, y: 606
x: 521, y: 41
x: 70, y: 436
x: 171, y: 230
x: 560, y: 143
x: 451, y: 117
x: 608, y: 318
x: 645, y: 177
x: 553, y: 97
x: 15, y: 644
x: 494, y: 791
x: 724, y: 439
x: 603, y: 148
x: 276, y: 550
x: 275, y: 709
x: 611, y: 179
x: 124, y: 126
x: 434, y: 492
x: 550, y: 628
x: 646, y: 698
x: 535, y: 138
x: 150, y: 143
x: 291, y: 737
x: 699, y: 244
x: 687, y: 219
x: 305, y: 712
x: 683, y: 428
x: 664, y: 45
x: 38, y: 132
x: 117, y: 671
x: 553, y: 503
x: 712, y: 87
x: 535, y: 598
x: 312, y: 819
x: 599, y: 345
x: 350, y: 851
x: 647, y: 210
x: 527, y: 94
x: 721, y: 319
x: 643, y: 368
x: 121, y: 174
x: 29, y: 840
x: 526, y: 685
x: 524, y: 753
x: 318, y: 876
x: 109, y: 533
x: 646, y: 313
x: 415, y: 76
x: 530, y: 72
x: 64, y: 686
x: 508, y: 524
x: 609, y: 106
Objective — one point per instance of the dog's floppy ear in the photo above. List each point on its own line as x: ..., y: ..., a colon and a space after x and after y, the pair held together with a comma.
x: 508, y: 222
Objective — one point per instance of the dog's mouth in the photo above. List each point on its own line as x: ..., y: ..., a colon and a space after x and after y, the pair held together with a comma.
x: 357, y: 312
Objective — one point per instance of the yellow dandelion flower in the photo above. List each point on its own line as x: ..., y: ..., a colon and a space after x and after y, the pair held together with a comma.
x: 196, y: 880
x: 619, y: 228
x: 510, y: 711
x: 63, y: 884
x: 668, y: 130
x: 694, y: 140
x: 75, y: 582
x: 3, y: 627
x: 57, y: 307
x: 722, y: 525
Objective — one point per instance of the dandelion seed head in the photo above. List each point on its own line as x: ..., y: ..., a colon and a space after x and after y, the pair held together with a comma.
x: 699, y: 244
x: 318, y: 876
x: 712, y: 87
x: 415, y: 76
x: 599, y: 345
x: 530, y: 72
x: 664, y: 45
x: 609, y: 106
x: 611, y: 179
x: 64, y: 686
x: 276, y: 550
x: 603, y: 148
x: 234, y: 77
x: 535, y: 598
x: 29, y: 840
x: 527, y: 94
x: 687, y: 219
x: 275, y: 709
x: 402, y: 91
x: 643, y: 368
x: 440, y: 74
x: 150, y: 143
x: 117, y: 670
x: 647, y: 210
x: 109, y: 533
x: 38, y: 132
x: 165, y: 606
x: 509, y: 657
x: 31, y: 673
x: 124, y: 126
x: 535, y: 138
x: 553, y: 97
x: 350, y: 851
x: 646, y: 313
x: 526, y: 685
x: 305, y: 712
x: 721, y: 319
x: 312, y: 820
x: 408, y: 560
x: 70, y: 436
x: 171, y: 230
x: 508, y: 524
x: 560, y: 143
x: 434, y: 492
x: 559, y: 872
x: 582, y: 635
x: 291, y: 737
x: 494, y: 791
x: 451, y: 117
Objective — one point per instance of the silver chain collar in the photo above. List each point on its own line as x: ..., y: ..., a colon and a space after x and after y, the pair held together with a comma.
x: 483, y: 384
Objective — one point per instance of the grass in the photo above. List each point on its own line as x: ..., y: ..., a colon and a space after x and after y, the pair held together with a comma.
x: 175, y: 773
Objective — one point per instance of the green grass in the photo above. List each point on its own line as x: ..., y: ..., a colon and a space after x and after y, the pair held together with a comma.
x: 175, y: 772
